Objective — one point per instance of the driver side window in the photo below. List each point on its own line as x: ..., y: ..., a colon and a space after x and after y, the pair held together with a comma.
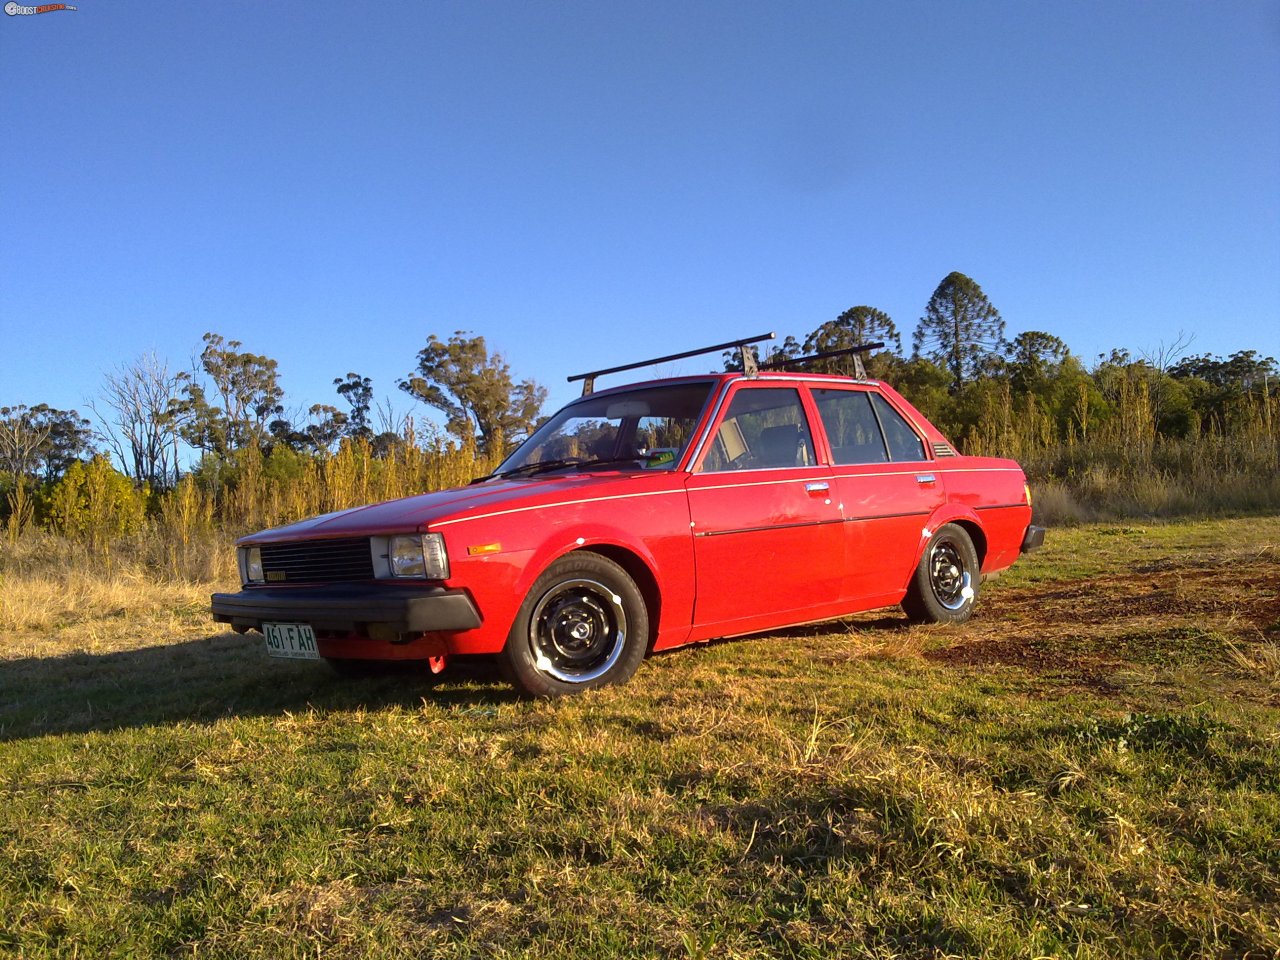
x: 764, y: 428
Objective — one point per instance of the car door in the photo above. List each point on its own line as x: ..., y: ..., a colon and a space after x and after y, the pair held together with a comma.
x: 885, y: 485
x: 768, y: 544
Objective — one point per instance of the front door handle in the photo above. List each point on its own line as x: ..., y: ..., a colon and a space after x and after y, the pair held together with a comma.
x: 926, y: 478
x: 820, y: 486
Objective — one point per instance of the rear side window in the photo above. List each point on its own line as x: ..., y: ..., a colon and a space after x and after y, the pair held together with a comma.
x: 851, y: 426
x: 904, y: 443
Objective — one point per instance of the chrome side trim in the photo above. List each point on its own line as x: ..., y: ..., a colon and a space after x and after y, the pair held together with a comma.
x: 436, y: 524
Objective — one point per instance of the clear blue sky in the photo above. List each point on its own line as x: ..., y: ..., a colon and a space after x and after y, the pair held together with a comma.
x: 588, y: 183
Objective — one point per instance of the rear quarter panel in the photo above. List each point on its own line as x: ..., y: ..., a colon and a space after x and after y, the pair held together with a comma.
x: 992, y: 493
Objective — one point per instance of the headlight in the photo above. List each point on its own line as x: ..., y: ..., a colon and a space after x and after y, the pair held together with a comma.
x: 422, y: 557
x: 251, y: 565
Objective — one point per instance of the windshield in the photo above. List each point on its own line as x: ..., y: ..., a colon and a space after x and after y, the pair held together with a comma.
x: 647, y: 428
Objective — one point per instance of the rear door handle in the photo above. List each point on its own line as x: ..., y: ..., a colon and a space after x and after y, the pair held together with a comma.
x: 926, y: 478
x: 819, y: 487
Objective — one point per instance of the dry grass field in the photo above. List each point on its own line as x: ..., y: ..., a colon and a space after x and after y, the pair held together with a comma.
x: 1090, y: 768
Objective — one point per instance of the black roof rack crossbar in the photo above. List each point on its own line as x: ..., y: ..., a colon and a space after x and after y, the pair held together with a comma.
x: 856, y: 352
x: 748, y: 360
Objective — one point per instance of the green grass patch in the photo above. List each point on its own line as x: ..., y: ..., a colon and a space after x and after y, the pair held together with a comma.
x: 1075, y: 773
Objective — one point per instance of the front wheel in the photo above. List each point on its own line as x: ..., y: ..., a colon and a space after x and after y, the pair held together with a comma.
x: 944, y: 587
x: 583, y: 624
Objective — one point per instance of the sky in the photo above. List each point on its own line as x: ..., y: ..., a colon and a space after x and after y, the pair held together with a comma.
x: 586, y: 184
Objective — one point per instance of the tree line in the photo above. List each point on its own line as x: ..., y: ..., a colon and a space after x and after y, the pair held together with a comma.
x: 97, y: 476
x: 961, y: 364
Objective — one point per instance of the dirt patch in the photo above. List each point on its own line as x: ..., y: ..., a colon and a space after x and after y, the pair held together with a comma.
x: 1084, y: 633
x: 1241, y: 587
x: 1057, y: 662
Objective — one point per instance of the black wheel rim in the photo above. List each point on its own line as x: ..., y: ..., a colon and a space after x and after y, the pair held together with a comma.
x: 577, y: 631
x: 949, y: 579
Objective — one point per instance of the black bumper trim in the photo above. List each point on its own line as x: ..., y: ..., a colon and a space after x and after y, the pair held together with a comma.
x: 350, y: 608
x: 1033, y: 539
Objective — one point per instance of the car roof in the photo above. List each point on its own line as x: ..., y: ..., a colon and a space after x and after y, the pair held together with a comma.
x: 721, y: 378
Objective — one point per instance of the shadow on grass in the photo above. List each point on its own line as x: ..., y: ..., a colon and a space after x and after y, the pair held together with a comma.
x: 200, y: 681
x: 872, y: 623
x: 229, y: 675
x: 876, y: 621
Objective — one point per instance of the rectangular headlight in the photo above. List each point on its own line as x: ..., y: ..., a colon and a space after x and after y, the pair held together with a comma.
x: 251, y: 565
x: 421, y: 556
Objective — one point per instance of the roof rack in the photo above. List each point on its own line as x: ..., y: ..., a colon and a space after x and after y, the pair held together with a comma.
x: 749, y: 365
x: 859, y: 370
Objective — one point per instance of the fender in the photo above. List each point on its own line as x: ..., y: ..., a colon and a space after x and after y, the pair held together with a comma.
x: 581, y: 537
x: 669, y: 565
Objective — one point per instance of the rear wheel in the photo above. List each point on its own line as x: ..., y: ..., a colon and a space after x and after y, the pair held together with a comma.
x: 583, y: 624
x: 945, y: 585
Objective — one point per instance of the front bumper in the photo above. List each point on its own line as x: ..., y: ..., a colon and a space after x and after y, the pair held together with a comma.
x: 1033, y: 539
x: 350, y: 608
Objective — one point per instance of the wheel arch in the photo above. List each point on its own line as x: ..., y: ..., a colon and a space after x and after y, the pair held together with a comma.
x: 977, y: 535
x: 639, y: 571
x: 964, y: 518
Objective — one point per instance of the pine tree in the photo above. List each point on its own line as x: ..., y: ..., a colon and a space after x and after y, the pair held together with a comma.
x: 857, y: 325
x: 960, y: 330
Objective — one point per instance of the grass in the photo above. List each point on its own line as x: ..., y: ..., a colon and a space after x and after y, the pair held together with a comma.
x: 1091, y: 768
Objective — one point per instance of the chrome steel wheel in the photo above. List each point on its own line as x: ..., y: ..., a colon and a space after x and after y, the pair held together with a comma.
x: 944, y: 587
x: 950, y: 582
x: 577, y: 631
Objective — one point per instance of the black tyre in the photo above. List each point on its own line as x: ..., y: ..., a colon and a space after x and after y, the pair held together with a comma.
x: 945, y: 585
x: 584, y: 624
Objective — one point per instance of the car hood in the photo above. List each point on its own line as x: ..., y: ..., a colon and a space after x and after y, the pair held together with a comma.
x: 411, y: 514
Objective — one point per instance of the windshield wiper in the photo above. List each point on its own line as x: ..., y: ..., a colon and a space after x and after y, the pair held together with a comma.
x: 529, y: 469
x: 542, y: 466
x: 587, y: 464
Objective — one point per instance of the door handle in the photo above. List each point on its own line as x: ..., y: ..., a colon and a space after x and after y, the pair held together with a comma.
x: 926, y: 478
x: 820, y: 487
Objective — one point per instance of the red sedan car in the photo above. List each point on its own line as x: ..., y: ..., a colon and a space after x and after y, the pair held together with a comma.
x: 644, y: 517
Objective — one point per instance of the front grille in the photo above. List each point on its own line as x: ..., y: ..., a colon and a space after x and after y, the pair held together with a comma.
x: 317, y: 561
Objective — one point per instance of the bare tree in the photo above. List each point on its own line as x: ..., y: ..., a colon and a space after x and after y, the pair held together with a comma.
x: 137, y: 425
x: 1163, y: 356
x: 21, y: 438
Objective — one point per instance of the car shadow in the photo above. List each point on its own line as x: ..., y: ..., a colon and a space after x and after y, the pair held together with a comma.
x: 216, y: 677
x: 228, y: 675
x: 870, y: 623
x: 874, y: 621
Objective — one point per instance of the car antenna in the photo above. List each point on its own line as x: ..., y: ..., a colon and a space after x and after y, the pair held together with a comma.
x: 860, y: 371
x: 749, y: 365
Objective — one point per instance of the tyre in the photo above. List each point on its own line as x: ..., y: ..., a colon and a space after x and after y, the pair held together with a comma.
x: 944, y: 587
x: 583, y: 625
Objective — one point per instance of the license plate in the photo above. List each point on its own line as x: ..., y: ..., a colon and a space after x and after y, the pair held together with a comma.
x: 294, y: 641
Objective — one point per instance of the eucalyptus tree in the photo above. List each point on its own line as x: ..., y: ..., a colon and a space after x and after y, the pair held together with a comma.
x: 475, y: 391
